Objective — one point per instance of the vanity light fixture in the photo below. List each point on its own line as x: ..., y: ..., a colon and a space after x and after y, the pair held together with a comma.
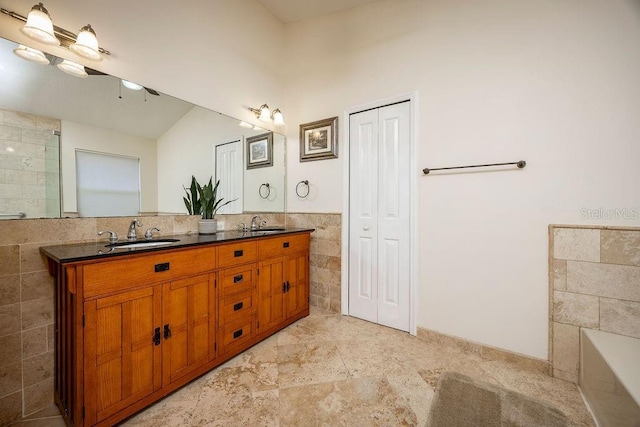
x: 278, y: 119
x: 72, y: 68
x: 264, y: 114
x: 39, y: 26
x: 86, y: 44
x: 30, y: 54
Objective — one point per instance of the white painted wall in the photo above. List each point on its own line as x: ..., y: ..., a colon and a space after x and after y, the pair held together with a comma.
x: 553, y: 83
x: 187, y: 149
x: 272, y: 200
x: 78, y: 136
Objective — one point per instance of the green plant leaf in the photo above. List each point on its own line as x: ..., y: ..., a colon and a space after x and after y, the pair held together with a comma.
x: 204, y: 199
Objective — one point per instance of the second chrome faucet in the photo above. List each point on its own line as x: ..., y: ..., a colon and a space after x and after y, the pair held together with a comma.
x: 131, y: 235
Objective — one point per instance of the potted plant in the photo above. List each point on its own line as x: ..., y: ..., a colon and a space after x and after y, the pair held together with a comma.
x: 202, y: 200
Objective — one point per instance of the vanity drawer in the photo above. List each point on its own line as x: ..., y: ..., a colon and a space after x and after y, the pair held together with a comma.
x: 236, y: 279
x: 237, y: 253
x: 236, y: 335
x: 278, y: 246
x: 124, y: 273
x: 237, y: 306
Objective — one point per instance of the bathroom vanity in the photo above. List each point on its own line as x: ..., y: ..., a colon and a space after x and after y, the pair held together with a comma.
x: 135, y: 324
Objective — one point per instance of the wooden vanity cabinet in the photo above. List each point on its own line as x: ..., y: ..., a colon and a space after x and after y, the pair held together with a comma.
x: 133, y: 328
x: 283, y: 289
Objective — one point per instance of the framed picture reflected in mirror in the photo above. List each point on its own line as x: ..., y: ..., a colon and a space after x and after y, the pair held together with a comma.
x: 260, y: 151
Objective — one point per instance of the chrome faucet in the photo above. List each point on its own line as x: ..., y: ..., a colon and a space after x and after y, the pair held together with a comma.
x: 255, y: 225
x: 131, y: 235
x: 149, y: 233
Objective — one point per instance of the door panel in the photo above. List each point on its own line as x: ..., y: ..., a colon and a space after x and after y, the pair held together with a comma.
x: 363, y: 206
x: 229, y: 170
x: 296, y: 299
x: 379, y: 255
x: 122, y: 364
x: 188, y: 325
x: 271, y: 293
x: 394, y: 218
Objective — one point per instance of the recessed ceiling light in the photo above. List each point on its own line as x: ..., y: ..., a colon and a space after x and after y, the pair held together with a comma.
x: 131, y: 85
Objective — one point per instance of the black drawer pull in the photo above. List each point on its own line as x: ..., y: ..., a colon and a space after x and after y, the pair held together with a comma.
x: 162, y: 267
x: 237, y: 278
x: 156, y: 336
x: 285, y: 245
x: 167, y: 332
x: 238, y: 253
x: 237, y: 334
x: 238, y: 306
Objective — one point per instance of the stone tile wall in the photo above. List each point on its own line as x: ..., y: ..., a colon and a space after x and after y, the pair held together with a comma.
x: 26, y: 290
x: 29, y: 159
x: 595, y: 284
x: 325, y: 257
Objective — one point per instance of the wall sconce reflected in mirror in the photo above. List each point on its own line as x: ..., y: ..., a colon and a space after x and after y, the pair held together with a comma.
x: 264, y: 114
x: 33, y: 55
x: 38, y: 26
x: 72, y: 68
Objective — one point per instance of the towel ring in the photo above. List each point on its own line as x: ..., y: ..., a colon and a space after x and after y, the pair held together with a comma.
x: 305, y: 182
x: 268, y: 191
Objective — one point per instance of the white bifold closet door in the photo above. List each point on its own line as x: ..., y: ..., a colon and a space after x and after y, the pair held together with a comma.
x: 379, y: 215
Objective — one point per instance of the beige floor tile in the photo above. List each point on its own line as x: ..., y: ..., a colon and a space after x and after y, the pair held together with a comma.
x: 329, y: 369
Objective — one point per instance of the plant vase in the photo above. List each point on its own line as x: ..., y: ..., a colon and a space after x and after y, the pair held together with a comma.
x: 207, y: 226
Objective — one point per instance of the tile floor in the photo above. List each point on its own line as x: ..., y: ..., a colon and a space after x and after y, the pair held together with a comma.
x: 333, y: 370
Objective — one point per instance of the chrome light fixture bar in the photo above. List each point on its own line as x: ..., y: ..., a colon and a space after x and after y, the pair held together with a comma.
x: 37, y: 27
x: 264, y: 114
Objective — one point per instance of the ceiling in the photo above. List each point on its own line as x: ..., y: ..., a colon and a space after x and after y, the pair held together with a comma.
x: 289, y: 11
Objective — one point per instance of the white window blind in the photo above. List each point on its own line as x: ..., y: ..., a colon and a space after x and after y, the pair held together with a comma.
x: 107, y: 184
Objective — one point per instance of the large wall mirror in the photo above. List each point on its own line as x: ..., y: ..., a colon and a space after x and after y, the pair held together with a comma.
x: 47, y: 117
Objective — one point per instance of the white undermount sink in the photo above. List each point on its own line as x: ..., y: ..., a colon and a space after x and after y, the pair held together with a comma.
x: 149, y: 244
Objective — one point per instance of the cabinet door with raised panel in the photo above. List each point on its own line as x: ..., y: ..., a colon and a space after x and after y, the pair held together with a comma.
x: 297, y: 284
x: 121, y: 351
x: 188, y: 325
x: 271, y: 288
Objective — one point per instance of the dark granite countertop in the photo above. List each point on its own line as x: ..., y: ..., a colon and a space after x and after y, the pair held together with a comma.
x: 101, y: 249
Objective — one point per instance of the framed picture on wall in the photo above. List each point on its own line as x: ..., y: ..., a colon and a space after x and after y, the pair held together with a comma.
x: 319, y: 140
x: 260, y: 151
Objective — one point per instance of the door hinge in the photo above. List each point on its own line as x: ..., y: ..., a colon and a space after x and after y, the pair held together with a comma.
x: 83, y: 412
x: 215, y: 283
x: 215, y: 346
x: 83, y: 320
